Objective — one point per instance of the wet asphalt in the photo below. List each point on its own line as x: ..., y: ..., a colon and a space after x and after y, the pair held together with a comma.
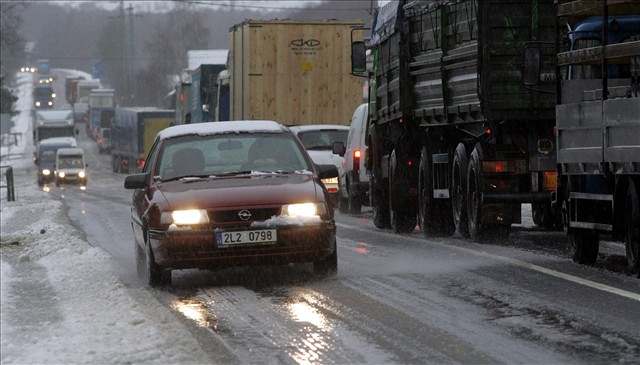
x: 396, y: 298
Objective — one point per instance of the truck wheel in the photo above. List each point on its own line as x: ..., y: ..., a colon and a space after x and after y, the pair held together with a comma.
x: 379, y: 205
x: 584, y: 246
x: 459, y: 190
x: 353, y: 200
x: 544, y: 217
x: 402, y: 218
x: 434, y: 215
x: 632, y: 228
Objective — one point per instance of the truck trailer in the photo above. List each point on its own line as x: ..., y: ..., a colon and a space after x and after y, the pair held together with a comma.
x: 598, y: 125
x: 457, y: 140
x: 101, y: 111
x: 133, y: 132
x: 293, y: 72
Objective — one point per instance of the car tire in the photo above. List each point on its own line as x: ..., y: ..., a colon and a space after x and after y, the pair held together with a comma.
x: 328, y: 265
x: 155, y: 275
x: 584, y: 246
x: 632, y: 228
x: 353, y: 201
x: 459, y: 190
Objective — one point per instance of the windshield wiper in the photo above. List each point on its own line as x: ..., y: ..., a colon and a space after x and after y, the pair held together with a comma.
x: 231, y: 173
x: 185, y: 177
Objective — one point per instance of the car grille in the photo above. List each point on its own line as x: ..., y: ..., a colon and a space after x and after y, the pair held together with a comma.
x: 231, y: 216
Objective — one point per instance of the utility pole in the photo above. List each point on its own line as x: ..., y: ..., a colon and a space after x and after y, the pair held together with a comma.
x: 131, y: 55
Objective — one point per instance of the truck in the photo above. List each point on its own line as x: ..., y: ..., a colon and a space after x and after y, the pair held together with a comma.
x: 202, y: 102
x: 101, y: 111
x: 43, y: 96
x: 183, y: 98
x: 133, y: 132
x: 224, y: 97
x: 456, y: 139
x: 53, y: 123
x: 293, y: 72
x: 83, y: 90
x: 598, y: 125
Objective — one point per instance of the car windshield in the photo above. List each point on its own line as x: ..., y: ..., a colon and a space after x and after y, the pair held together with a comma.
x: 70, y: 162
x: 47, y: 156
x: 230, y: 154
x: 322, y: 139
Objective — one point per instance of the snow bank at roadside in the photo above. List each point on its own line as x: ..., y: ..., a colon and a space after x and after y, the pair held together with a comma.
x: 21, y: 121
x: 62, y: 302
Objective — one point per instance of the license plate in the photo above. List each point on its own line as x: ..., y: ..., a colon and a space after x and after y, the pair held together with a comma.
x: 246, y: 237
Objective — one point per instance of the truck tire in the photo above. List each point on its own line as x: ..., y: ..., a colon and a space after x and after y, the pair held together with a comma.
x: 632, y: 228
x: 403, y: 219
x: 459, y: 190
x: 478, y: 231
x: 434, y: 215
x: 353, y: 200
x: 584, y: 245
x: 379, y: 205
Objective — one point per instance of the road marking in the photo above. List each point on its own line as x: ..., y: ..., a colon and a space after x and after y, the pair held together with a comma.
x: 512, y: 261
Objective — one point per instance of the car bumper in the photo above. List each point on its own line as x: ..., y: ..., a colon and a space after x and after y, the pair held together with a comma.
x: 71, y: 180
x: 199, y: 249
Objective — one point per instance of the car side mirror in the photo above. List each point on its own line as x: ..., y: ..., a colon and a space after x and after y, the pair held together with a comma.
x: 338, y: 148
x: 327, y: 171
x: 358, y: 58
x: 532, y: 66
x: 136, y: 181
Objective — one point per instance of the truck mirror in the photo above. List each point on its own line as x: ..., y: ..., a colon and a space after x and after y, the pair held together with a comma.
x: 532, y: 66
x: 358, y: 58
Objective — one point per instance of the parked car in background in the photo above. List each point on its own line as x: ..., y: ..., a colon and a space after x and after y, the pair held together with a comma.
x: 318, y: 140
x: 354, y: 179
x: 221, y: 194
x: 45, y: 156
x: 70, y: 167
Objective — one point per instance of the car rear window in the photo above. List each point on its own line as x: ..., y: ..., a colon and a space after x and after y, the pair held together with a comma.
x: 224, y: 154
x: 322, y: 139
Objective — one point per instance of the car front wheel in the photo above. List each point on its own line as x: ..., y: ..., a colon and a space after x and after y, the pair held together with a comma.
x: 152, y: 273
x: 328, y: 265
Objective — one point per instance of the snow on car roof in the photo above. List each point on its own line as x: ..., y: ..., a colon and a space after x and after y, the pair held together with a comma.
x: 70, y: 151
x: 318, y: 127
x: 204, y: 129
x: 59, y: 140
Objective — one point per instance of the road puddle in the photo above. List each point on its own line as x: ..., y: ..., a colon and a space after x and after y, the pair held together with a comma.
x: 195, y: 311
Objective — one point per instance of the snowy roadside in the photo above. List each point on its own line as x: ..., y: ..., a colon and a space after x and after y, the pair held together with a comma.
x: 63, y: 303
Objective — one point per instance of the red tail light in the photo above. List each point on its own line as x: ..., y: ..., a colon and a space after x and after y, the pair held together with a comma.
x: 356, y: 160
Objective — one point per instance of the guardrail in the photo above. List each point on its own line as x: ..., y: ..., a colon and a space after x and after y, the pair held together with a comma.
x: 11, y: 192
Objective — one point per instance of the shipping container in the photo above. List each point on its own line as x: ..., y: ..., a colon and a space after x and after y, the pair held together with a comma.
x: 294, y: 72
x: 132, y: 134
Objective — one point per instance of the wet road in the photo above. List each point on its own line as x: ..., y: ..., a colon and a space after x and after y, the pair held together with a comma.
x: 396, y: 298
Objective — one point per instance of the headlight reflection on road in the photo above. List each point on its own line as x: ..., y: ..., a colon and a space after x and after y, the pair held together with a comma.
x: 46, y: 189
x: 195, y: 311
x: 303, y: 312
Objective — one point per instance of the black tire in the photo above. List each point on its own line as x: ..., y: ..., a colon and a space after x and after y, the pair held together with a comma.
x: 434, y: 215
x: 353, y: 201
x: 343, y: 204
x: 473, y: 196
x: 459, y: 190
x: 328, y: 265
x: 401, y: 217
x: 632, y: 228
x: 544, y: 216
x: 379, y: 206
x: 584, y: 246
x: 154, y: 275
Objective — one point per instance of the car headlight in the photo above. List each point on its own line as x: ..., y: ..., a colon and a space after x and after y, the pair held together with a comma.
x: 37, y: 103
x: 62, y: 174
x: 53, y: 95
x: 81, y: 174
x: 303, y: 210
x: 46, y: 172
x: 50, y: 103
x: 33, y: 69
x: 185, y: 217
x: 21, y: 69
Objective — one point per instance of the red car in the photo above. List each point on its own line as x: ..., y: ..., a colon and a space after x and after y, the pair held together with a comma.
x: 230, y: 193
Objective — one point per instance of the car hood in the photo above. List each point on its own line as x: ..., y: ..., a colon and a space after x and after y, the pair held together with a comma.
x: 69, y: 171
x: 239, y: 191
x: 325, y: 158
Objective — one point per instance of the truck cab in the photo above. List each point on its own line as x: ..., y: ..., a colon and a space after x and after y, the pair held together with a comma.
x: 101, y: 111
x: 70, y: 167
x: 43, y: 96
x: 45, y: 156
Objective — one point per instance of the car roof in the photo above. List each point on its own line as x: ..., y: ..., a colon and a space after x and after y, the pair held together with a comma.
x: 70, y: 151
x: 59, y: 140
x: 212, y: 128
x: 318, y: 127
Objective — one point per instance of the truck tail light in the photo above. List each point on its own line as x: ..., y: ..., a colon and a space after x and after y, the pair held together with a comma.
x: 356, y: 160
x: 550, y: 180
x: 499, y: 167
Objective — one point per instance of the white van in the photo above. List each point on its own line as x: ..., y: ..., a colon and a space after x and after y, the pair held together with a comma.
x: 70, y: 167
x: 354, y: 179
